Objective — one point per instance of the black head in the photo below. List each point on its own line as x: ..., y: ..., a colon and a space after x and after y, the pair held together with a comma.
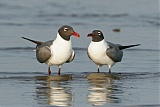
x: 66, y: 31
x: 96, y: 35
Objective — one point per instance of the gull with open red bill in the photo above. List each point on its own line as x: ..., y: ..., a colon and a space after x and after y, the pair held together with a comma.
x: 58, y: 51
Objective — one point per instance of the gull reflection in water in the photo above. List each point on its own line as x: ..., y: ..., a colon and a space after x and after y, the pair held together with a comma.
x: 57, y: 93
x: 101, y: 92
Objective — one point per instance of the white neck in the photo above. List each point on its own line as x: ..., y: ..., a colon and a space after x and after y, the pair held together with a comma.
x: 100, y: 42
x: 59, y: 38
x: 60, y: 42
x: 99, y: 45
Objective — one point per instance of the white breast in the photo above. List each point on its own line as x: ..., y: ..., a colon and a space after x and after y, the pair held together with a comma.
x: 61, y: 51
x: 97, y: 52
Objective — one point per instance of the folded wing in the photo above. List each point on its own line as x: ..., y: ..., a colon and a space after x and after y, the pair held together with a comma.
x: 43, y: 52
x: 114, y: 52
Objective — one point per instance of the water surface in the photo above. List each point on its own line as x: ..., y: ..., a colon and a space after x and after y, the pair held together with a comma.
x: 138, y: 72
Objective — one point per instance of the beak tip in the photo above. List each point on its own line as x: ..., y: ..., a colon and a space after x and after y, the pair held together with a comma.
x: 76, y: 34
x: 89, y: 35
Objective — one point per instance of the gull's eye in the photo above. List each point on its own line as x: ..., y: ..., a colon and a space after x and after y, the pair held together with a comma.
x: 65, y: 29
x: 99, y: 33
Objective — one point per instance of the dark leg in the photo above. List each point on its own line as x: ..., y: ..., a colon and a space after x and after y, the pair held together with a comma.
x: 98, y: 71
x: 49, y: 71
x: 59, y: 71
x: 109, y: 72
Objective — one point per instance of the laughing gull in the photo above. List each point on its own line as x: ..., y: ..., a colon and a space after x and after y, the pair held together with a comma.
x: 58, y: 51
x: 102, y: 52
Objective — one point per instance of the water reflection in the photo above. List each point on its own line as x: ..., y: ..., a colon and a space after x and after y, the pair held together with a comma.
x: 101, y: 92
x: 58, y: 93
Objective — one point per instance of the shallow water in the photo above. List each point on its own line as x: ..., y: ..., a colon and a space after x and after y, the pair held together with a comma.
x: 131, y: 89
x: 20, y: 86
x: 138, y: 72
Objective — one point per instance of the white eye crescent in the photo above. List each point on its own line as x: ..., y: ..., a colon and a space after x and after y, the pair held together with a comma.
x: 65, y: 29
x: 99, y: 33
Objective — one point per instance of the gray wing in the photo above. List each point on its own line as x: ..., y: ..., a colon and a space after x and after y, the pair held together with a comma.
x: 114, y: 52
x: 71, y: 57
x: 43, y: 52
x: 88, y: 56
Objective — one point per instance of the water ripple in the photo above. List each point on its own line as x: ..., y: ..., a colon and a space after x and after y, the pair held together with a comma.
x: 17, y: 48
x: 85, y: 15
x: 75, y: 48
x: 80, y: 75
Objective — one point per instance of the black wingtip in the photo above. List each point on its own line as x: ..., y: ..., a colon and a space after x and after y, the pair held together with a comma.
x: 23, y: 37
x: 129, y: 46
x: 134, y: 45
x: 138, y: 44
x: 26, y: 38
x: 36, y: 42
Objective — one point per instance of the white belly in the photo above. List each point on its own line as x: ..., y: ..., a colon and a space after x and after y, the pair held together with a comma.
x: 58, y: 58
x: 61, y: 52
x: 97, y: 52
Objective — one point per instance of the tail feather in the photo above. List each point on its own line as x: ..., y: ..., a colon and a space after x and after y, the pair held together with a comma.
x: 36, y: 42
x: 129, y: 46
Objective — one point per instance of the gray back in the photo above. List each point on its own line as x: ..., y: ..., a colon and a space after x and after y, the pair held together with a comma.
x: 114, y: 52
